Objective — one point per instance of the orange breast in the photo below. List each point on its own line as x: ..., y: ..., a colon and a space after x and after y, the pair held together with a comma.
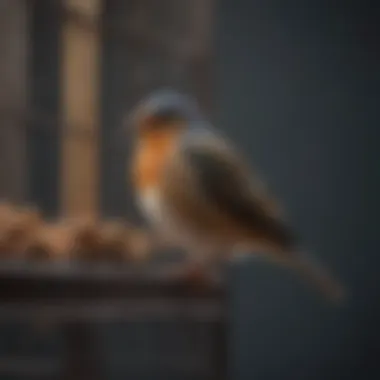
x: 152, y: 152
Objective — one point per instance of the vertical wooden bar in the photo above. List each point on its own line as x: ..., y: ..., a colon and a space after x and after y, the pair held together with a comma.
x: 80, y: 162
x: 13, y: 97
x: 80, y: 107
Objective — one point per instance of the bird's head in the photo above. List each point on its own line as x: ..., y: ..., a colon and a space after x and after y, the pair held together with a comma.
x: 162, y: 110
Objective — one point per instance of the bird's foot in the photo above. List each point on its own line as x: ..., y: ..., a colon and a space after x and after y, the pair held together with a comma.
x: 196, y: 276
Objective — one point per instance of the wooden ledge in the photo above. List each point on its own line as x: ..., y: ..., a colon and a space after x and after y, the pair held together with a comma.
x: 73, y: 291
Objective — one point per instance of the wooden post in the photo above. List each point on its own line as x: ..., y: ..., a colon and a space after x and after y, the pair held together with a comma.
x: 79, y: 171
x: 13, y: 97
x: 80, y: 107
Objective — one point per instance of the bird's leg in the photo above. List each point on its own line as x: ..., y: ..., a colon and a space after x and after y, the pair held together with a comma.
x: 195, y: 274
x: 199, y: 270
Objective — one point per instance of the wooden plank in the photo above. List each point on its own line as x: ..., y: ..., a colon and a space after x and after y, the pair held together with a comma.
x: 14, y: 47
x: 74, y: 292
x: 80, y: 162
x: 80, y: 106
x: 111, y: 310
x: 59, y: 282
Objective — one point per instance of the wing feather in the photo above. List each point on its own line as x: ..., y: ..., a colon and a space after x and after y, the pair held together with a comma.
x: 226, y: 182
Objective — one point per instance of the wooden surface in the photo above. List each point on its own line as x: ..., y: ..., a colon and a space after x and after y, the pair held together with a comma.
x: 80, y: 107
x: 78, y: 292
x: 75, y: 296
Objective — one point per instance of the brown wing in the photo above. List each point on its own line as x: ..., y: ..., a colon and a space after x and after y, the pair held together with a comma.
x: 225, y: 182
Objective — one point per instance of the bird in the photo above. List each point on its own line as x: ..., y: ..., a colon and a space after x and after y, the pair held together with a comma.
x: 198, y: 191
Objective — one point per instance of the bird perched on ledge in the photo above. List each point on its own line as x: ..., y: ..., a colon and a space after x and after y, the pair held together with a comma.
x: 199, y: 193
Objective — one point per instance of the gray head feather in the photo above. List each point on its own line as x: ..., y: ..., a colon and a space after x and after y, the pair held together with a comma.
x: 167, y: 100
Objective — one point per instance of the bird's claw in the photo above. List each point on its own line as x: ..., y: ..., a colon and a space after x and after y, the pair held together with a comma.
x: 196, y: 276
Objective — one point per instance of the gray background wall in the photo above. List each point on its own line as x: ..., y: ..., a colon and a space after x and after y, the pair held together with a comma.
x: 298, y: 90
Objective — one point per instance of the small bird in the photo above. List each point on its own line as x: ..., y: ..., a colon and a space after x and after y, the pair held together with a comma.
x: 198, y: 192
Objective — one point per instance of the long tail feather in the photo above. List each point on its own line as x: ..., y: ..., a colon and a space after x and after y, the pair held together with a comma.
x: 318, y: 276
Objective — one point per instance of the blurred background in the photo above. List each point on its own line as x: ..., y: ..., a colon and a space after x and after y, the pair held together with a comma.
x: 295, y: 84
